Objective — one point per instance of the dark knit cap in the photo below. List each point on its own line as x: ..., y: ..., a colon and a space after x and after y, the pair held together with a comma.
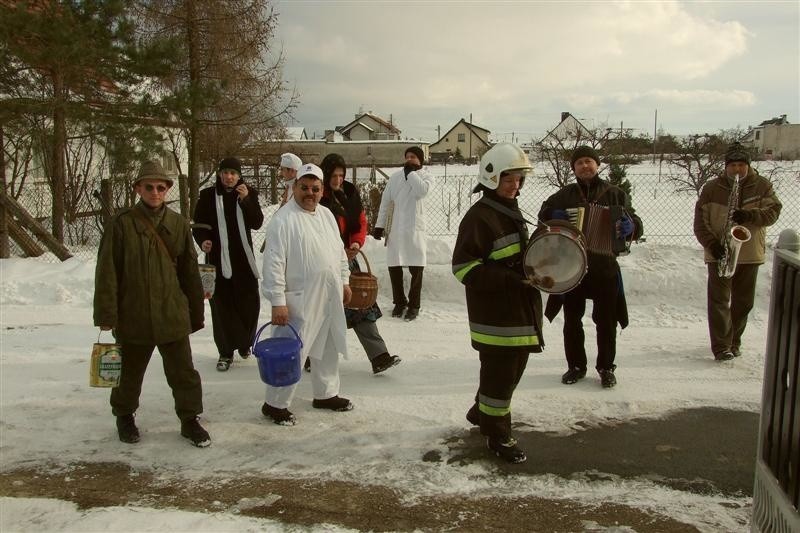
x: 230, y: 163
x: 737, y: 153
x: 417, y: 151
x: 583, y: 151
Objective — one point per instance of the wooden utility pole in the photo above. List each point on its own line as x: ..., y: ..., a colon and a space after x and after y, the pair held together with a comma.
x: 5, y: 249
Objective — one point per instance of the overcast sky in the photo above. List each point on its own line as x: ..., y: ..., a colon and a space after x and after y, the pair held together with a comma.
x: 515, y: 66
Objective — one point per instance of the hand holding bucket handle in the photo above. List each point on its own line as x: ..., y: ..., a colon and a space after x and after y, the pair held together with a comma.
x: 258, y: 333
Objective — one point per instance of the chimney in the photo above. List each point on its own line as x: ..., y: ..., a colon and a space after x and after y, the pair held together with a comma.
x: 390, y: 118
x: 564, y: 115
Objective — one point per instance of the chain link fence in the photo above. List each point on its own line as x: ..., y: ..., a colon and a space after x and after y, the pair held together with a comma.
x: 667, y: 215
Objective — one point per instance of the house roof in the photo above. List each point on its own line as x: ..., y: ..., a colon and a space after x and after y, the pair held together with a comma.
x: 388, y: 125
x: 567, y: 117
x: 776, y: 121
x: 295, y: 132
x: 472, y: 127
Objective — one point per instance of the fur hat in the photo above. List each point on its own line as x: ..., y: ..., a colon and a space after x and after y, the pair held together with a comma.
x: 737, y: 153
x: 584, y: 151
x: 231, y: 163
x: 289, y: 160
x: 417, y: 151
x: 152, y: 170
x: 329, y: 163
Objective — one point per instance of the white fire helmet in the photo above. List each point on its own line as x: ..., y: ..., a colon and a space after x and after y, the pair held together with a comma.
x: 501, y: 158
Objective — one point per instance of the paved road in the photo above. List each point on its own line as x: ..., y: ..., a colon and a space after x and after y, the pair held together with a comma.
x: 698, y: 450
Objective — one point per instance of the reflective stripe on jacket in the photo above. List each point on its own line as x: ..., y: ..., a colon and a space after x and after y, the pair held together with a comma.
x: 504, y: 313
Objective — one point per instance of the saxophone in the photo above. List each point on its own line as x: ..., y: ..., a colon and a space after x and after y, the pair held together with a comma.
x: 733, y: 236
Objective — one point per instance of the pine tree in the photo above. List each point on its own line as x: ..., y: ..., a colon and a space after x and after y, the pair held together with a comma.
x: 73, y: 62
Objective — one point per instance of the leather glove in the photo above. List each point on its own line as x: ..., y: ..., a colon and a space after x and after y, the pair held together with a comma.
x: 741, y: 216
x: 377, y: 233
x: 625, y: 226
x: 559, y: 214
x: 717, y: 250
x: 408, y: 168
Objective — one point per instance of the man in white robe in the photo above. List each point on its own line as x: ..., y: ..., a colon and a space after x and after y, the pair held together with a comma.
x: 306, y: 279
x: 402, y: 216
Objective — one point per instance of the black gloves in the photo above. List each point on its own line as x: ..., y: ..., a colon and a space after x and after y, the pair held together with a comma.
x: 717, y: 250
x: 410, y: 167
x: 741, y: 216
x: 377, y: 233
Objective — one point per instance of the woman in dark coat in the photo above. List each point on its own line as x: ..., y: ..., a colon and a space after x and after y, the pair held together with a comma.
x: 342, y: 198
x: 223, y: 219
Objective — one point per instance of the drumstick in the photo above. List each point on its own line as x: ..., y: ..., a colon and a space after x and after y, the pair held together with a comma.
x: 545, y: 282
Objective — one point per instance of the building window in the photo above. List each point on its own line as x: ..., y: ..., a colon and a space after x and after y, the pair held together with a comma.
x: 462, y: 137
x: 758, y: 135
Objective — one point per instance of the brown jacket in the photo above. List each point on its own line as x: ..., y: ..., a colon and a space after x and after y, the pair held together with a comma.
x: 711, y: 214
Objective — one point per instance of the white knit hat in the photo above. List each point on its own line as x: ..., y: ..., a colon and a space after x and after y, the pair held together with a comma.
x: 289, y: 160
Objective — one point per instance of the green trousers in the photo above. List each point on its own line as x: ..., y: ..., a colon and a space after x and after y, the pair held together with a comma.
x: 181, y: 375
x: 729, y: 302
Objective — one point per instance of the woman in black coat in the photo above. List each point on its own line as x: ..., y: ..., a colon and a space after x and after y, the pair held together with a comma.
x: 223, y: 219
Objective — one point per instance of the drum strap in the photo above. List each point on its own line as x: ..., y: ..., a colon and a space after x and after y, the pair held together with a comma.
x: 514, y: 214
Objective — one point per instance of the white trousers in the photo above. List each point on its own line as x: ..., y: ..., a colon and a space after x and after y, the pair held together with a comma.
x: 324, y: 379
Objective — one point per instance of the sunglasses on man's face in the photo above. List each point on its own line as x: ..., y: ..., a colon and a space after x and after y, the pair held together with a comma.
x: 315, y: 189
x: 149, y: 187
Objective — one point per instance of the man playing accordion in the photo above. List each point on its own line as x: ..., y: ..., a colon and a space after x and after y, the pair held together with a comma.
x: 604, y: 214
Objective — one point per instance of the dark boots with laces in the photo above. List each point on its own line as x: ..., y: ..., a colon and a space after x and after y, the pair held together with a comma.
x: 506, y: 448
x: 192, y: 430
x: 384, y: 362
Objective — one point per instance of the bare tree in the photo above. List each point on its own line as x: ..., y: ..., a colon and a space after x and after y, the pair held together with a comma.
x: 555, y: 151
x: 700, y: 158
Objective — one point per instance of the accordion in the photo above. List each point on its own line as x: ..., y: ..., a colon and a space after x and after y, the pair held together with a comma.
x: 598, y: 225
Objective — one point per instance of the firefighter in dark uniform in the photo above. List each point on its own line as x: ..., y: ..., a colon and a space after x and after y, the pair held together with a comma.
x: 505, y: 312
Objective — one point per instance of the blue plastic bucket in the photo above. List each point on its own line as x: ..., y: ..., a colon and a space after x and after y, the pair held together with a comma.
x: 278, y: 358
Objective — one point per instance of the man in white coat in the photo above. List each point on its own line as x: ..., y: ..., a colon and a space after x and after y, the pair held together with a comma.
x: 305, y: 278
x: 402, y: 219
x: 290, y: 165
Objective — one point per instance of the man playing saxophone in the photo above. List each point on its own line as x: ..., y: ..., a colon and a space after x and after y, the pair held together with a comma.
x: 739, y: 197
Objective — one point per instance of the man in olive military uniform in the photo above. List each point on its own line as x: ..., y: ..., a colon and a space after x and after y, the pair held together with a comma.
x: 148, y: 291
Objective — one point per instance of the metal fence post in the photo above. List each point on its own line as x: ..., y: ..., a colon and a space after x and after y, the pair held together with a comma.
x: 776, y: 491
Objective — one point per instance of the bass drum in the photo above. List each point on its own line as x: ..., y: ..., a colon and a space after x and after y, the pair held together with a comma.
x: 555, y: 258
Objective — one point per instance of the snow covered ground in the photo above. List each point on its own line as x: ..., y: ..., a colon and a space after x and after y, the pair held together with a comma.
x: 49, y: 414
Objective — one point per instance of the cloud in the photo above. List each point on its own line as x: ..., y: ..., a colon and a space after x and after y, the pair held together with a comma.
x: 689, y: 98
x: 507, y: 61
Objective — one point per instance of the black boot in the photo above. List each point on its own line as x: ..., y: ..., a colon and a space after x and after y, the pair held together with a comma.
x: 334, y: 404
x: 282, y: 417
x: 398, y: 310
x: 507, y: 449
x: 192, y: 430
x: 127, y: 430
x: 384, y: 362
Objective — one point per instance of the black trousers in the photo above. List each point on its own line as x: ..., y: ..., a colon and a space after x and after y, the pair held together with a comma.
x: 182, y: 378
x: 603, y: 291
x: 398, y: 291
x: 234, y: 313
x: 499, y: 377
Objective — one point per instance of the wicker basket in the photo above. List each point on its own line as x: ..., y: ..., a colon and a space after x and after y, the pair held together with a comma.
x: 364, y: 286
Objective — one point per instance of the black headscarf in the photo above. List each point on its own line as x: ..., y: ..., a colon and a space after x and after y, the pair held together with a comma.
x: 345, y: 202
